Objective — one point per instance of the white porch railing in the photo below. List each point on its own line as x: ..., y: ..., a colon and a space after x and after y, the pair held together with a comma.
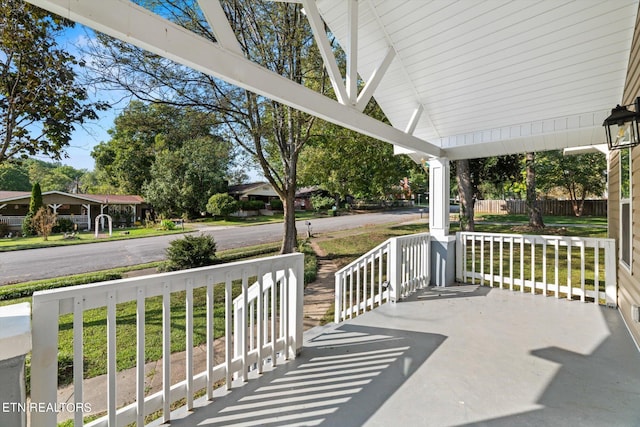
x: 16, y: 220
x: 390, y: 271
x: 277, y: 296
x: 12, y: 220
x: 570, y: 266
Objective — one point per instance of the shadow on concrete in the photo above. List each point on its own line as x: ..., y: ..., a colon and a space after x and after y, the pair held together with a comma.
x: 342, y: 378
x: 456, y: 291
x: 588, y: 390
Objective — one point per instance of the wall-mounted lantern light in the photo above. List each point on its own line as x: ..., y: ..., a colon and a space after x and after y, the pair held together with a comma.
x: 621, y: 127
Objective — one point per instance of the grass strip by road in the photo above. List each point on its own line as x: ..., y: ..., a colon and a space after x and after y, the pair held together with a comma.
x: 20, y: 243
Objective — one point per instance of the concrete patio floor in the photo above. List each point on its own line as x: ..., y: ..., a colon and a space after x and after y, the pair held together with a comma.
x: 464, y: 355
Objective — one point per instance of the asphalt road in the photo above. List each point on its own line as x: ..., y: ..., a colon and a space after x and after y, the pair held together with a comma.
x: 33, y: 264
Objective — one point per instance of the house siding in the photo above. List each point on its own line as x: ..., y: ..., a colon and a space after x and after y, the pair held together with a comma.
x: 628, y: 282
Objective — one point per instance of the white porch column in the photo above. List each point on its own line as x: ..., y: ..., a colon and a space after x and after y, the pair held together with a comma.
x: 88, y: 208
x: 439, y: 196
x: 443, y: 261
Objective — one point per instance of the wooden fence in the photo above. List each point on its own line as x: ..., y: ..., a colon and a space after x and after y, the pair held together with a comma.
x: 548, y: 207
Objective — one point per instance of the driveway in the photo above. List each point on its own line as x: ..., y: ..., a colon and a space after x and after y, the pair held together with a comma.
x: 33, y: 264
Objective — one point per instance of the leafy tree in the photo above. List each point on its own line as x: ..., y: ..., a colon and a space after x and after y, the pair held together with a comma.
x: 40, y: 99
x: 344, y: 162
x: 54, y: 176
x: 28, y: 228
x: 222, y: 204
x: 36, y: 198
x: 167, y: 153
x: 182, y: 181
x: 271, y: 133
x: 14, y: 177
x: 581, y: 175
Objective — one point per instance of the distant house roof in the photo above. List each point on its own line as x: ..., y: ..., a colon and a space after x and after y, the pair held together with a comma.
x: 308, y: 191
x: 116, y: 199
x: 253, y: 189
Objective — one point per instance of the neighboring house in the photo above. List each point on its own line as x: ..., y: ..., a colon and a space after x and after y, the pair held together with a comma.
x: 624, y: 204
x: 82, y: 209
x: 304, y: 194
x: 262, y: 191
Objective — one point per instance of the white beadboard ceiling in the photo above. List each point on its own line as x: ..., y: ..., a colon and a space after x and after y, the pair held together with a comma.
x: 495, y: 76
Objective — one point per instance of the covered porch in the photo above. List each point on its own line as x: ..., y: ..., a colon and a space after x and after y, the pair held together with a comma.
x: 456, y: 82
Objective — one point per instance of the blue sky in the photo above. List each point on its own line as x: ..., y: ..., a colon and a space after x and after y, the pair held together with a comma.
x: 93, y: 132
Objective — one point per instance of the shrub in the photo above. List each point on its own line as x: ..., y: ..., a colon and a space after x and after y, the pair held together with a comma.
x: 63, y: 225
x: 27, y: 225
x: 222, y: 204
x: 251, y: 205
x: 167, y: 224
x: 321, y: 202
x: 276, y: 204
x: 190, y: 252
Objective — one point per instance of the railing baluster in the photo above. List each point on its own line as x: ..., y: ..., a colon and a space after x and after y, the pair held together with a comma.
x: 544, y: 267
x: 596, y: 273
x: 189, y: 342
x: 372, y: 282
x: 521, y: 263
x: 259, y: 316
x: 78, y: 362
x: 491, y: 272
x: 533, y: 266
x: 229, y: 333
x: 473, y: 259
x: 511, y: 278
x: 210, y: 337
x: 111, y: 358
x: 582, y: 276
x: 556, y: 244
x: 140, y: 355
x: 501, y: 262
x: 482, y: 261
x: 274, y: 336
x: 166, y: 352
x: 569, y: 283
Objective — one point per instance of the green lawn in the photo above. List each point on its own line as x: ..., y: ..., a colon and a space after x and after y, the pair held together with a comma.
x: 255, y: 220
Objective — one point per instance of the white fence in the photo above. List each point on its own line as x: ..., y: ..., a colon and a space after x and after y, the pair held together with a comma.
x: 390, y: 271
x: 252, y: 338
x: 573, y: 267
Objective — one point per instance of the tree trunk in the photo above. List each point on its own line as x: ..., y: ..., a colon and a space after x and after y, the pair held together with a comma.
x: 290, y: 238
x: 465, y: 192
x: 535, y: 216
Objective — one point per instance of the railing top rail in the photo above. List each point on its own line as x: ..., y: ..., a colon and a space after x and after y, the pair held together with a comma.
x: 565, y: 239
x: 197, y: 275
